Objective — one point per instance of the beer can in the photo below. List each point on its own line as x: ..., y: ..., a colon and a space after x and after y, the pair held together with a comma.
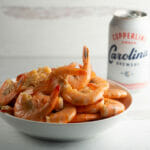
x: 129, y: 48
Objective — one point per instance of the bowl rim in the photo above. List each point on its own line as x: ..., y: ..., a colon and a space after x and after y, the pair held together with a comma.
x: 79, y: 123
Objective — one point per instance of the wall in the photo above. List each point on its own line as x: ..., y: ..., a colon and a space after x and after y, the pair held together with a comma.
x: 58, y: 28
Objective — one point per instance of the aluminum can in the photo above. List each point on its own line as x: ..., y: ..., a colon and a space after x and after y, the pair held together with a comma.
x: 129, y: 48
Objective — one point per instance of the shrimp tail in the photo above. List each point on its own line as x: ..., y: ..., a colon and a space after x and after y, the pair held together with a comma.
x: 53, y: 101
x: 85, y: 54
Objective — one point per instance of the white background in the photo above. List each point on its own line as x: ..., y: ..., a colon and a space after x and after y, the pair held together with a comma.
x: 58, y: 27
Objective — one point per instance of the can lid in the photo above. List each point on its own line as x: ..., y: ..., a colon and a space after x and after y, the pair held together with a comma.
x: 129, y: 14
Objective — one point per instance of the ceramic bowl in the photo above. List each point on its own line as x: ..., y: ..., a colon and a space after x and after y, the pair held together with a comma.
x: 71, y: 131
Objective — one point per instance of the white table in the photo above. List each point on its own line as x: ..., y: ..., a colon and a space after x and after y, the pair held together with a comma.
x: 132, y: 133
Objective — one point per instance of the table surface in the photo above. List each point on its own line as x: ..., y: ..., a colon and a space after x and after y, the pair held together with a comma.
x: 131, y: 133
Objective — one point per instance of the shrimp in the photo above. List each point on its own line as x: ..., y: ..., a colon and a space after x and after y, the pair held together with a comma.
x: 97, y: 82
x: 80, y: 81
x: 111, y: 107
x: 115, y: 93
x: 94, y: 108
x: 93, y: 74
x: 73, y: 64
x: 57, y: 76
x: 63, y: 116
x: 7, y: 109
x: 34, y: 78
x: 81, y: 98
x: 60, y: 104
x: 35, y: 107
x: 7, y: 92
x: 85, y: 117
x: 68, y: 70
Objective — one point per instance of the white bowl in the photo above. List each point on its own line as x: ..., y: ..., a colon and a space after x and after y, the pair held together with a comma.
x: 71, y: 131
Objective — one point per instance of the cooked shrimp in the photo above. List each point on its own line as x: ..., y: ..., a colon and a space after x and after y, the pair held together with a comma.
x: 85, y: 117
x: 35, y: 107
x: 60, y: 104
x: 57, y: 76
x: 93, y: 74
x: 7, y: 109
x: 80, y: 81
x: 93, y: 108
x: 73, y: 64
x: 63, y: 116
x: 29, y: 91
x: 7, y: 92
x: 34, y: 78
x: 97, y: 82
x: 115, y: 93
x: 111, y: 107
x: 72, y: 93
x: 68, y: 70
x: 81, y: 98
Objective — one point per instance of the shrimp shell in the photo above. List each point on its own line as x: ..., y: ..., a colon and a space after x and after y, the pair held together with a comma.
x: 85, y: 117
x: 63, y: 116
x: 80, y: 98
x: 7, y: 92
x: 115, y: 93
x: 35, y: 107
x: 111, y: 107
x: 60, y: 104
x: 80, y: 81
x: 93, y: 108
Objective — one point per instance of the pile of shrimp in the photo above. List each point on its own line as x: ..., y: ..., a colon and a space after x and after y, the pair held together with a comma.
x: 66, y: 94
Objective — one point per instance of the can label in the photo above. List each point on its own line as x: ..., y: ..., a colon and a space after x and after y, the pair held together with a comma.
x: 128, y: 57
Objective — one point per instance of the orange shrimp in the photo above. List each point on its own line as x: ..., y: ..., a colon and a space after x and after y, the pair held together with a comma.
x: 80, y: 81
x: 93, y: 74
x: 35, y: 107
x: 35, y: 77
x: 68, y: 70
x: 97, y: 82
x: 111, y: 107
x: 57, y: 76
x: 115, y: 93
x: 73, y: 64
x: 7, y: 109
x: 7, y: 92
x: 60, y: 104
x: 93, y: 108
x: 63, y: 116
x: 85, y: 117
x: 81, y: 98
